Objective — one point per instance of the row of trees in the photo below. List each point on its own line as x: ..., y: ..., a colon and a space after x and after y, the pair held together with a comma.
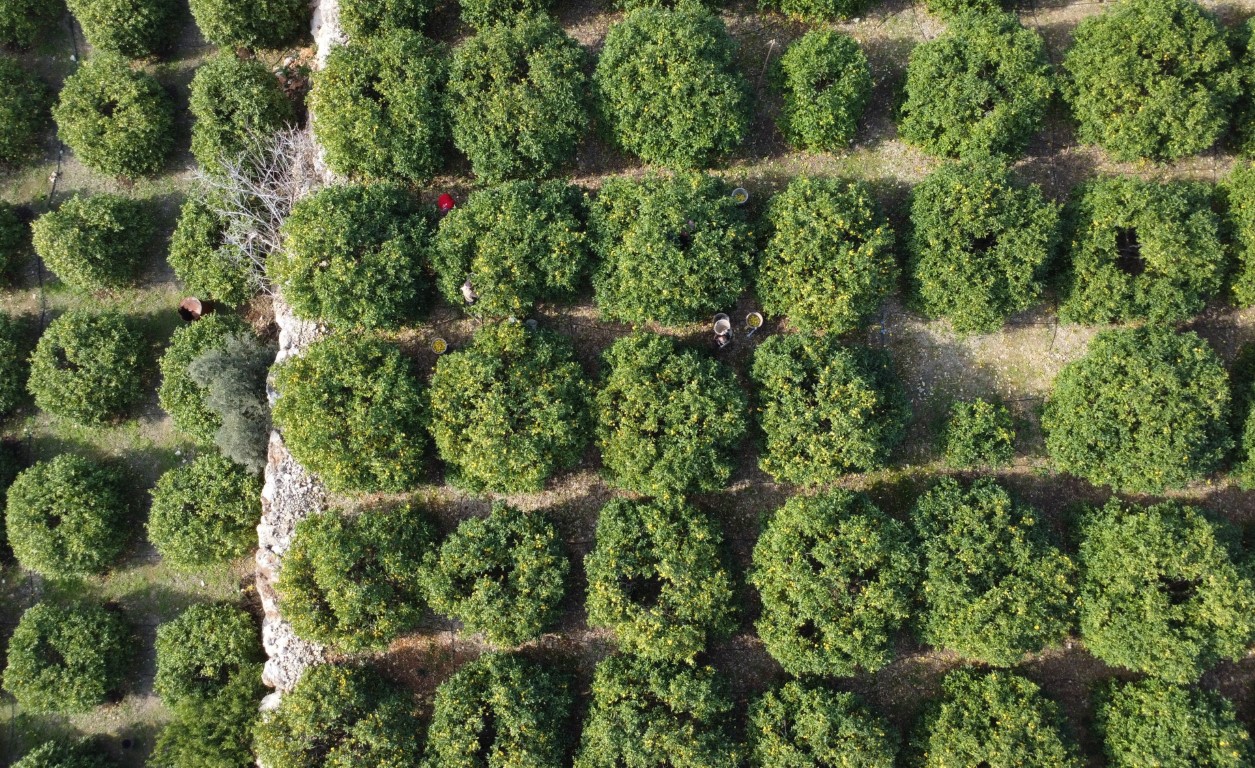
x: 642, y: 713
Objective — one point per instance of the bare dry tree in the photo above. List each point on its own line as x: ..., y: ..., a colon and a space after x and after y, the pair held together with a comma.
x: 253, y: 193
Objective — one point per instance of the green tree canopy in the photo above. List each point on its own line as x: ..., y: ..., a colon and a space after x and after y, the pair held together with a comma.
x: 250, y: 23
x: 807, y: 726
x: 133, y: 28
x: 1157, y: 723
x: 95, y: 242
x: 826, y: 82
x: 202, y: 649
x: 205, y: 512
x: 234, y: 102
x: 25, y: 102
x: 179, y: 395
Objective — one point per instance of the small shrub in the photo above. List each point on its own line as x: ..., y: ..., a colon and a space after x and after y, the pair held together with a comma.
x: 135, y: 29
x: 668, y: 88
x: 202, y: 650
x: 829, y: 261
x: 509, y: 410
x: 1142, y: 250
x: 380, y: 107
x: 13, y: 367
x: 483, y: 14
x: 979, y: 433
x: 498, y: 709
x: 234, y: 380
x: 118, y: 121
x: 53, y: 754
x: 67, y: 658
x: 827, y: 83
x: 656, y: 578
x: 805, y: 726
x: 980, y: 245
x: 1161, y: 592
x: 501, y: 575
x: 24, y: 113
x: 367, y: 18
x: 22, y: 22
x: 68, y: 517
x: 234, y: 100
x: 668, y: 419
x: 354, y: 257
x: 646, y: 713
x: 1238, y: 194
x: 250, y: 23
x: 837, y: 580
x: 215, y: 733
x: 1154, y: 722
x: 204, y: 512
x: 352, y: 411
x: 816, y: 11
x: 1150, y: 79
x: 14, y: 240
x: 673, y: 249
x: 202, y: 259
x: 340, y: 716
x: 351, y: 581
x: 980, y: 89
x: 86, y: 367
x: 179, y: 395
x: 1145, y: 409
x: 95, y: 243
x: 998, y: 719
x: 1017, y: 601
x: 519, y: 243
x: 825, y: 409
x: 518, y: 99
x: 1244, y: 108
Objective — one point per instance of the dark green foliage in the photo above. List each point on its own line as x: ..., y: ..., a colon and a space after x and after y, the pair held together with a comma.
x: 995, y: 588
x: 980, y: 245
x: 1156, y: 723
x: 341, y: 716
x: 1161, y: 592
x: 510, y: 409
x: 1151, y: 79
x: 998, y: 720
x: 354, y: 257
x: 24, y: 113
x: 1142, y: 250
x: 351, y: 580
x: 67, y: 658
x: 837, y: 580
x: 86, y: 367
x: 250, y: 23
x: 656, y: 578
x: 234, y: 101
x: 204, y: 512
x: 978, y: 433
x: 1146, y: 409
x: 53, y: 754
x: 980, y: 89
x: 179, y: 395
x: 668, y: 88
x: 14, y: 240
x: 826, y: 409
x: 352, y: 411
x: 647, y: 713
x: 119, y: 121
x: 365, y: 18
x: 1238, y: 194
x: 68, y: 517
x: 22, y: 22
x: 816, y: 10
x: 801, y: 726
x: 669, y: 419
x: 949, y: 8
x: 202, y: 650
x: 133, y: 28
x: 1244, y: 109
x: 518, y: 99
x: 827, y: 83
x: 380, y: 107
x: 202, y: 259
x: 95, y: 243
x: 485, y: 13
x: 501, y: 575
x: 13, y: 366
x: 498, y: 710
x: 673, y: 249
x: 519, y: 243
x: 233, y: 379
x: 214, y: 733
x: 829, y: 262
